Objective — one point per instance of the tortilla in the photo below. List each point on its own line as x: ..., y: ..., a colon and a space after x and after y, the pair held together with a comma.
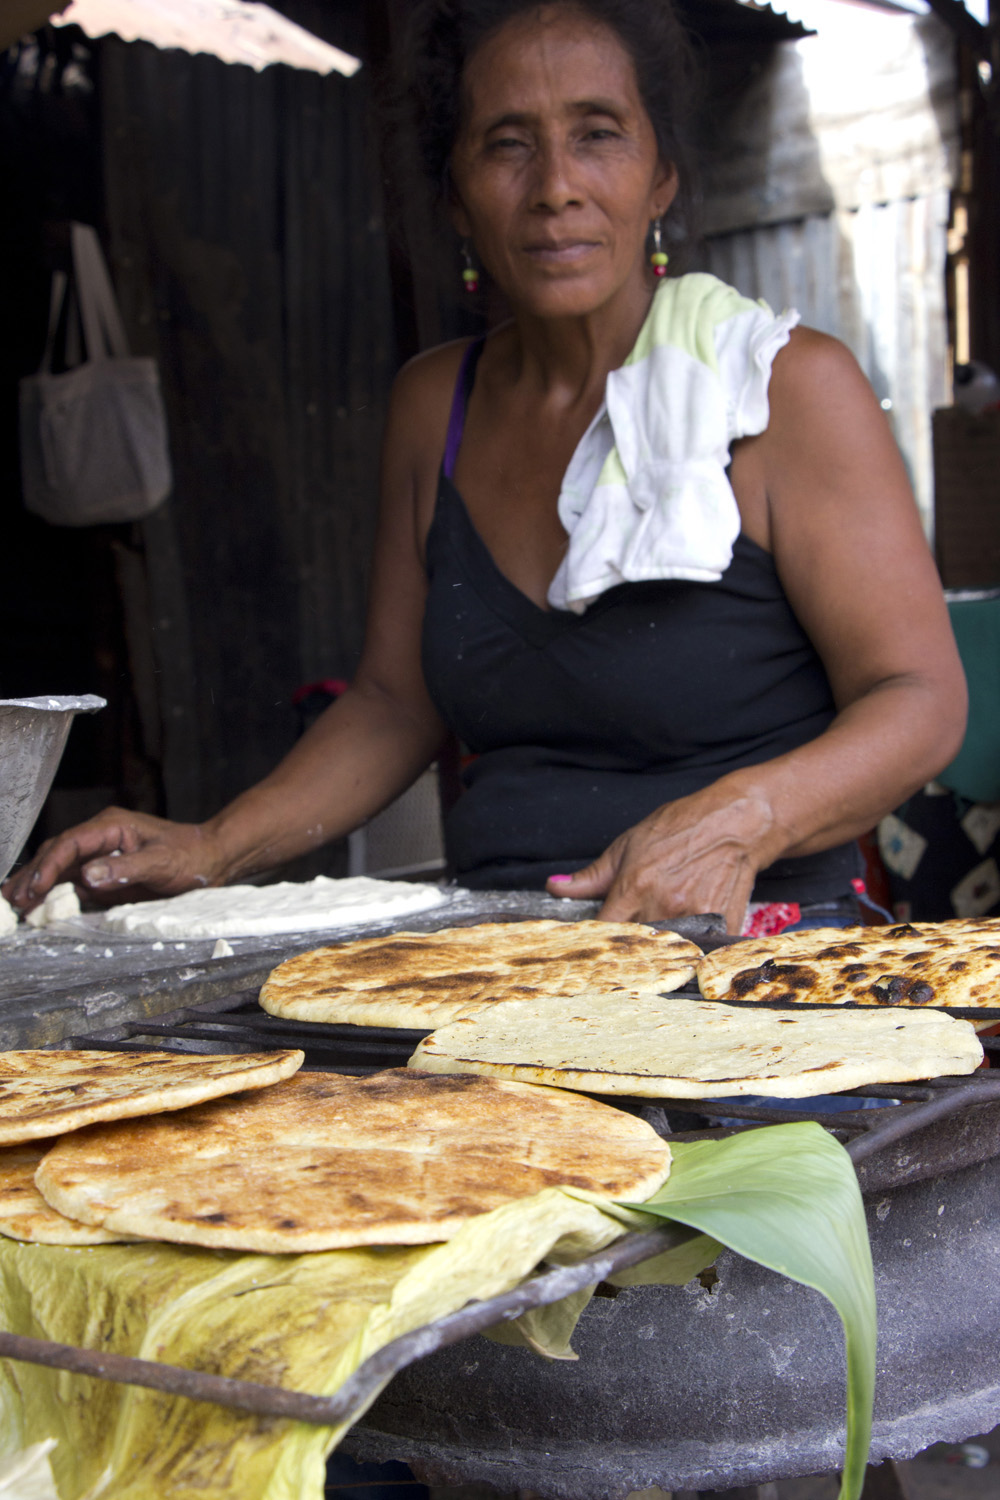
x: 668, y: 1047
x: 24, y: 1213
x: 48, y: 1093
x: 324, y: 1162
x: 941, y: 964
x: 423, y: 980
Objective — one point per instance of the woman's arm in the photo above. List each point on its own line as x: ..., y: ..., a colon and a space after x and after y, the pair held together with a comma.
x: 826, y: 489
x: 360, y: 754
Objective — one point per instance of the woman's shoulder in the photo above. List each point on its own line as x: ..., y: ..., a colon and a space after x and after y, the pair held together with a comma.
x: 429, y: 377
x: 816, y: 373
x: 420, y: 403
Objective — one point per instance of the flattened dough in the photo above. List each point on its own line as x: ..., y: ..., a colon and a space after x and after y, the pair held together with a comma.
x: 422, y: 980
x: 668, y: 1047
x: 48, y: 1093
x: 324, y: 1162
x: 266, y: 910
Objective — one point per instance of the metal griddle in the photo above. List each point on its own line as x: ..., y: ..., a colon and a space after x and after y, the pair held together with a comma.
x: 920, y: 1115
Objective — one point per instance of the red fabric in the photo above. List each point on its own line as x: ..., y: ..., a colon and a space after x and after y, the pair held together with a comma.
x: 875, y: 883
x: 334, y: 686
x: 769, y: 917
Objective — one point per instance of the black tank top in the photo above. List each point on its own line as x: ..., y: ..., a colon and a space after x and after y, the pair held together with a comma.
x: 582, y: 725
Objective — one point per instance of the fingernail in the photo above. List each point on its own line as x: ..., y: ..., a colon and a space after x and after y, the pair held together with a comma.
x: 97, y: 874
x: 36, y: 878
x: 559, y: 879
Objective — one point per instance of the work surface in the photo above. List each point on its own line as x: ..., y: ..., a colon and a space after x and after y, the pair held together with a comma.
x: 56, y: 985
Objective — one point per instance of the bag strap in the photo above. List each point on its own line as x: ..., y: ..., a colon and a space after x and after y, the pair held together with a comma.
x: 74, y: 338
x: 103, y: 330
x: 57, y: 297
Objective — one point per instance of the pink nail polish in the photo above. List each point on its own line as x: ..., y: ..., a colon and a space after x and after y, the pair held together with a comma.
x: 559, y: 879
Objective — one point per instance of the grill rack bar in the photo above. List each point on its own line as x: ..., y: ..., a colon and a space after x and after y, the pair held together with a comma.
x: 300, y: 1406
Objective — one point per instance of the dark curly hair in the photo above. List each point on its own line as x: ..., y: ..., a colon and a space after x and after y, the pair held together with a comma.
x: 443, y: 35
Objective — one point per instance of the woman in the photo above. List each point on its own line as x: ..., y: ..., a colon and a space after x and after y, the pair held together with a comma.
x: 713, y: 732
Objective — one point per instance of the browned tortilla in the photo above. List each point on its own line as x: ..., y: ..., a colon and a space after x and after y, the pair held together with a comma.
x: 423, y: 980
x: 941, y: 964
x: 46, y: 1093
x: 323, y: 1162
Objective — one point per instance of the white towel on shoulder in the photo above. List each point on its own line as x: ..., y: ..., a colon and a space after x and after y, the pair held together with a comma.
x: 646, y: 493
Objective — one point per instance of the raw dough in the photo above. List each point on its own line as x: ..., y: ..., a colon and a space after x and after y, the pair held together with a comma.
x: 62, y: 904
x: 8, y: 919
x: 264, y: 910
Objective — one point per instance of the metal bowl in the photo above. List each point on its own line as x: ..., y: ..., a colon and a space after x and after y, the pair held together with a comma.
x: 33, y: 735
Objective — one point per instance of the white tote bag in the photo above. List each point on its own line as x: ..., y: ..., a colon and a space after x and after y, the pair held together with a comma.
x: 93, y: 439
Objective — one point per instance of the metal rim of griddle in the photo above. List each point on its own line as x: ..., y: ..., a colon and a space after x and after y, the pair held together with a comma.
x: 539, y: 1291
x: 237, y: 1023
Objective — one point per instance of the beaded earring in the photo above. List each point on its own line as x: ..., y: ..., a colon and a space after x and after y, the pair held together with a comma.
x: 470, y: 275
x: 658, y: 259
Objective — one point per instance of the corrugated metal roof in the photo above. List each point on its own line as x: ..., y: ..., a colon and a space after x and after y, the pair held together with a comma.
x: 236, y: 31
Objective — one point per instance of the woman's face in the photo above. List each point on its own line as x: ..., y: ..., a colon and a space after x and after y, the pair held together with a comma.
x: 556, y: 173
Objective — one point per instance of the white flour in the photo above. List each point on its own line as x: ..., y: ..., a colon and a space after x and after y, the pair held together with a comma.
x: 62, y: 904
x: 8, y: 919
x: 265, y: 910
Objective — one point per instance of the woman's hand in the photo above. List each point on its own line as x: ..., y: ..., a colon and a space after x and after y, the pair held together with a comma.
x: 119, y: 856
x: 698, y: 854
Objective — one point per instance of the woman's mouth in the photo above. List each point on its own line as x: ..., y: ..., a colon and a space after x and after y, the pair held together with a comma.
x: 560, y: 252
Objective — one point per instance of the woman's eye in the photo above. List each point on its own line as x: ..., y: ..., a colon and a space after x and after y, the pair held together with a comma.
x: 506, y: 143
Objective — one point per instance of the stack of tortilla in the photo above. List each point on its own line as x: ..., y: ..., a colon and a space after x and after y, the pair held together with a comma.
x: 237, y: 1153
x: 48, y: 1096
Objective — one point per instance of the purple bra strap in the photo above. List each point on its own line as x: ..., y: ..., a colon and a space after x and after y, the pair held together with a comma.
x: 456, y: 422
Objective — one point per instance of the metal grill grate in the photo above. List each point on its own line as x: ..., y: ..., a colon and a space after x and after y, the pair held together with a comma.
x: 236, y: 1023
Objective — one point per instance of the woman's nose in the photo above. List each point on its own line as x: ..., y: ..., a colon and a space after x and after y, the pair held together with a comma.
x: 556, y: 183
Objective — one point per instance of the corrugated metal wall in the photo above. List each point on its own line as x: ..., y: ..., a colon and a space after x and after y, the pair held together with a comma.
x: 874, y: 277
x: 249, y: 251
x: 828, y: 170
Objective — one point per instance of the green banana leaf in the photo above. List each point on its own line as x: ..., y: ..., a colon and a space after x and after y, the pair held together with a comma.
x: 786, y: 1196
